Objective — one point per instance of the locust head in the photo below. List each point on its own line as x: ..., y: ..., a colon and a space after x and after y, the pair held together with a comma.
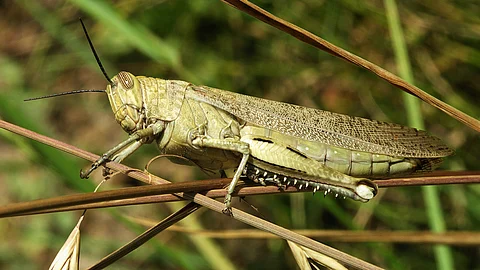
x: 140, y: 101
x: 126, y: 100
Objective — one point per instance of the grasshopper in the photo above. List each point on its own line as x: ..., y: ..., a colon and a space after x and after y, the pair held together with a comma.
x: 266, y: 141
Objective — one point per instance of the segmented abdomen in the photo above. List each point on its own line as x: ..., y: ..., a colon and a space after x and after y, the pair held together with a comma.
x: 350, y: 162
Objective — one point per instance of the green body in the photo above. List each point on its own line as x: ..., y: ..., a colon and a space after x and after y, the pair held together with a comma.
x: 268, y: 141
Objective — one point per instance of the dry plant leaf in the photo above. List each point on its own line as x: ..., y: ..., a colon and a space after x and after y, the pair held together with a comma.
x: 68, y: 256
x: 304, y: 255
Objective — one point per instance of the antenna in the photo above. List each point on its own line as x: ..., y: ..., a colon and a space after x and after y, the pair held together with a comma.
x: 65, y: 93
x: 94, y: 52
x: 80, y: 91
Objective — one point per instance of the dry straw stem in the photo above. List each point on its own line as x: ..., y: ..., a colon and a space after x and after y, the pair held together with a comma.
x: 200, y: 199
x: 95, y: 200
x: 147, y: 235
x: 309, y: 38
x: 165, y: 192
x: 411, y: 237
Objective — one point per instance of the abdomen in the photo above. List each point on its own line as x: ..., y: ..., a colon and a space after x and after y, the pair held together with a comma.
x: 350, y: 162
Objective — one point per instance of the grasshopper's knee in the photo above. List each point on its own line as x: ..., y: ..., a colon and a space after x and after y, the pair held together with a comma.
x: 244, y: 148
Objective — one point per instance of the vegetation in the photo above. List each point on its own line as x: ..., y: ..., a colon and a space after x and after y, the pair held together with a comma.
x: 43, y: 51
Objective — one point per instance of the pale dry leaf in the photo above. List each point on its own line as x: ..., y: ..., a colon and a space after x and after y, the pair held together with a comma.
x: 68, y: 256
x: 302, y: 255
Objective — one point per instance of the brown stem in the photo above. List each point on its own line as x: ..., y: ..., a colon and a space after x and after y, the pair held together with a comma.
x: 309, y: 38
x: 203, y: 200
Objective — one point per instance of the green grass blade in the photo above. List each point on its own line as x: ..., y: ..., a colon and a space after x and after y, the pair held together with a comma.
x: 443, y: 253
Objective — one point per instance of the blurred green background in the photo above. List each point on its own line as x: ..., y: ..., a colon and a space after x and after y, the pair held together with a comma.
x: 43, y: 51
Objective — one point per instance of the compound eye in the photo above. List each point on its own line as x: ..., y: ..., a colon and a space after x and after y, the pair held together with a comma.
x: 126, y: 79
